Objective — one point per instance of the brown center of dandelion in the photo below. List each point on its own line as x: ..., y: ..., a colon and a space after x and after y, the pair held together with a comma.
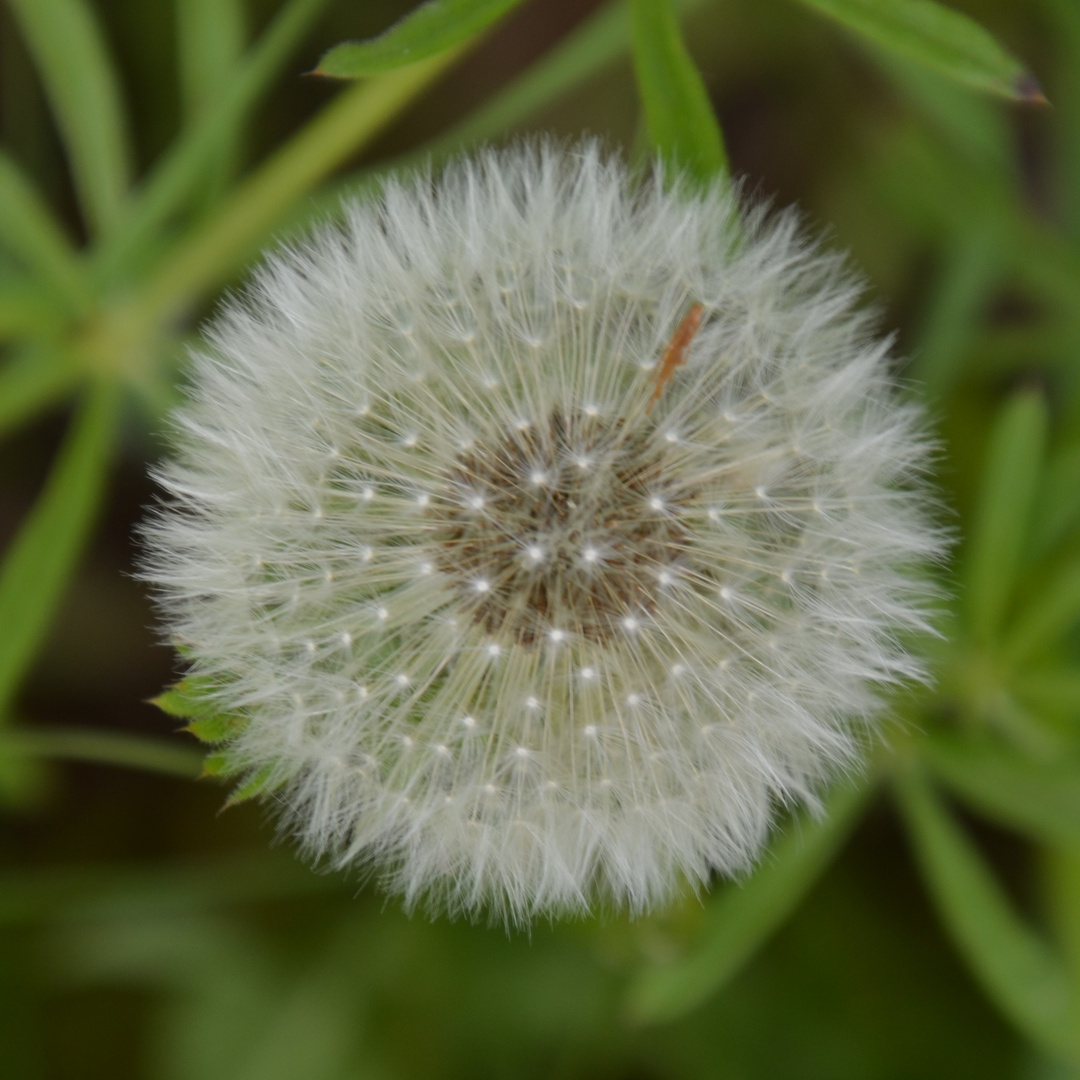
x: 565, y: 527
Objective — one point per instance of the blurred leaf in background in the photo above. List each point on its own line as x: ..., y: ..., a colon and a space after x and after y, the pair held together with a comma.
x: 147, y: 152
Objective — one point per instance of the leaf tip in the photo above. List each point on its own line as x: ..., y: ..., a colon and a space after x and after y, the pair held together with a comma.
x: 331, y: 64
x: 321, y: 71
x: 1026, y: 87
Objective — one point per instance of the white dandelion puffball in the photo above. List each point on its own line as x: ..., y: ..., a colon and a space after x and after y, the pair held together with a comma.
x: 547, y: 529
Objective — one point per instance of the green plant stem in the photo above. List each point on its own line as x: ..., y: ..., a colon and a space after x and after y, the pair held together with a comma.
x: 190, y: 159
x: 741, y: 917
x: 80, y: 80
x: 357, y: 116
x: 105, y: 748
x: 41, y: 559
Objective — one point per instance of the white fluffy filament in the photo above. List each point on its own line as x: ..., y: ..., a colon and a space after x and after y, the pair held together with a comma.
x: 502, y: 632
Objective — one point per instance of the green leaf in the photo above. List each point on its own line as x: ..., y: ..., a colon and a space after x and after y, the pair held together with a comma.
x: 600, y: 40
x: 939, y: 37
x: 43, y: 554
x: 1038, y: 798
x: 1057, y: 505
x: 1054, y: 690
x: 974, y: 125
x: 211, y: 252
x: 741, y: 917
x: 1061, y: 886
x: 210, y: 37
x: 191, y: 160
x: 30, y: 231
x: 82, y: 87
x: 35, y: 378
x: 1045, y: 617
x: 970, y: 272
x: 103, y: 748
x: 1015, y: 966
x: 1002, y: 517
x: 27, y: 310
x: 678, y: 113
x: 430, y: 29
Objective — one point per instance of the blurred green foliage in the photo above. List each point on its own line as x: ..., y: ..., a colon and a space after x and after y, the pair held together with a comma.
x: 147, y: 152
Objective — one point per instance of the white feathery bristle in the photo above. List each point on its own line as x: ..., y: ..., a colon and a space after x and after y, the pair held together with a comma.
x: 519, y: 616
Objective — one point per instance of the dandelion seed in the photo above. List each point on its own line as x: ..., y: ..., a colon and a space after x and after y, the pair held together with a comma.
x: 606, y: 497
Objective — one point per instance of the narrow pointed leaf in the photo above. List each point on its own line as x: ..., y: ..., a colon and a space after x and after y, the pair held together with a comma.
x: 741, y: 917
x: 27, y: 310
x: 41, y: 558
x: 210, y: 36
x: 432, y: 28
x: 191, y: 159
x: 81, y: 83
x: 1055, y: 690
x: 29, y: 230
x: 970, y: 271
x: 1038, y: 798
x: 1050, y: 613
x: 599, y: 41
x: 210, y: 252
x: 1057, y: 506
x: 1007, y: 491
x: 33, y: 379
x: 939, y: 37
x: 1061, y: 878
x: 1015, y: 966
x: 973, y: 124
x: 680, y: 118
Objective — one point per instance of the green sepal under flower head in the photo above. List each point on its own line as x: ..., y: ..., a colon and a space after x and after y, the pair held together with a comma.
x: 190, y: 700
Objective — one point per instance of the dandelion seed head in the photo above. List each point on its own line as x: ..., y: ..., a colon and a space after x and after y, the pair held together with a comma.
x: 650, y: 605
